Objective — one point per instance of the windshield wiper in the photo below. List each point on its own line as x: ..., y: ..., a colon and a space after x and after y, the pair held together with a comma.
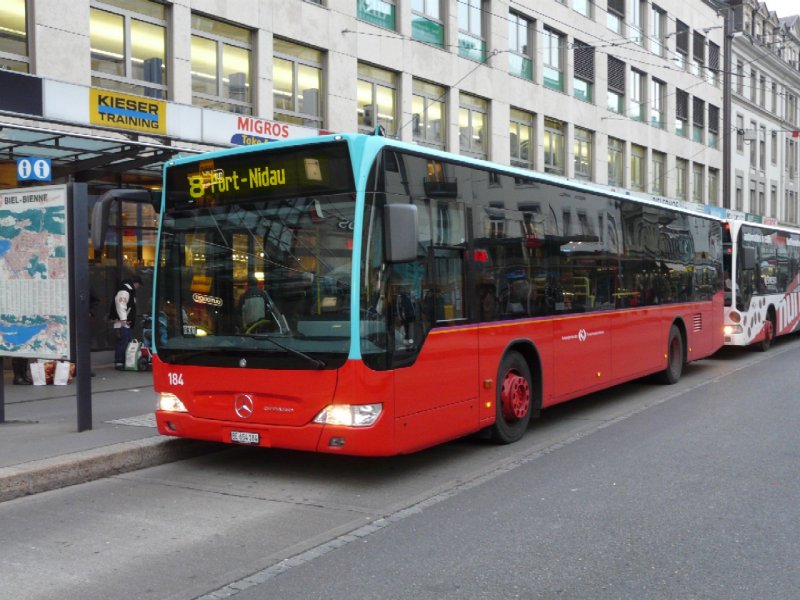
x: 266, y: 336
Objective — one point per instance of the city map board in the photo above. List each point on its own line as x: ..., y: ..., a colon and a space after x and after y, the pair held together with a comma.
x: 34, y: 273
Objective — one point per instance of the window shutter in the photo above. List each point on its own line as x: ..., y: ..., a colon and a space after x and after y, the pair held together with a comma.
x: 699, y: 47
x: 697, y: 113
x: 583, y: 55
x: 682, y: 37
x: 617, y: 7
x: 682, y: 105
x: 616, y: 75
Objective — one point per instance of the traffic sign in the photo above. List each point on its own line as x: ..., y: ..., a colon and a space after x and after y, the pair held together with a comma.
x: 34, y: 169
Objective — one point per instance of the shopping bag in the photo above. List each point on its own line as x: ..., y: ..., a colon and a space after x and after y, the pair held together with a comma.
x: 37, y: 373
x: 63, y: 373
x: 132, y: 354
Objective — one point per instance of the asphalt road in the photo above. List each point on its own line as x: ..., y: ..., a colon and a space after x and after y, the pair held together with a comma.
x: 643, y: 491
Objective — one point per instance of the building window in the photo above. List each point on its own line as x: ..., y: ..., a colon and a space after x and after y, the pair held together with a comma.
x: 713, y: 186
x: 740, y: 77
x: 773, y: 201
x: 553, y: 50
x: 583, y: 6
x: 681, y: 45
x: 657, y: 91
x: 520, y: 46
x: 774, y: 148
x: 697, y: 183
x: 636, y: 21
x: 616, y: 162
x: 637, y: 79
x: 713, y: 126
x: 681, y: 178
x: 698, y: 119
x: 427, y: 118
x: 616, y: 85
x: 521, y: 136
x: 583, y: 155
x: 14, y: 54
x: 472, y: 126
x: 583, y: 81
x: 698, y: 54
x: 471, y: 37
x: 658, y: 18
x: 554, y: 147
x: 762, y: 148
x: 753, y: 86
x: 681, y: 113
x: 221, y: 56
x: 129, y: 47
x: 740, y: 134
x: 377, y: 99
x: 659, y: 169
x: 638, y: 170
x: 753, y: 145
x: 615, y: 15
x: 297, y: 84
x: 774, y: 97
x: 378, y: 12
x: 713, y: 64
x: 426, y: 22
x: 739, y: 193
x: 762, y: 89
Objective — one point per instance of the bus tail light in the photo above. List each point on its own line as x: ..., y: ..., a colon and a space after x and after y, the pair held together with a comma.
x: 170, y: 403
x: 350, y: 415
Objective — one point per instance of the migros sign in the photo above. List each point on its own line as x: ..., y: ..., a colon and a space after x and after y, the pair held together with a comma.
x: 133, y: 113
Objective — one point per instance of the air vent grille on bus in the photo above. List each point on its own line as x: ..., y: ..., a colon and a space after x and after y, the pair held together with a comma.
x: 697, y: 322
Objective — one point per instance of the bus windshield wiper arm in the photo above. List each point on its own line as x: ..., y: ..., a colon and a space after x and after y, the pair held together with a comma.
x: 265, y: 336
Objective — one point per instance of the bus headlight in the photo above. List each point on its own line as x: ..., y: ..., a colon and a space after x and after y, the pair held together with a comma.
x: 732, y: 329
x: 170, y: 403
x: 350, y: 415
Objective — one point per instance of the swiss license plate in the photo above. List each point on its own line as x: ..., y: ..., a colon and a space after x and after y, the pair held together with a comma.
x: 244, y: 437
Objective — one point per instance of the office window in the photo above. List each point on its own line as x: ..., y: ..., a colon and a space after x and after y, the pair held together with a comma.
x: 128, y: 47
x: 14, y: 54
x: 713, y: 64
x: 554, y: 147
x: 753, y: 86
x: 698, y: 54
x: 658, y: 19
x: 774, y: 148
x: 698, y: 119
x: 740, y: 134
x: 615, y: 15
x: 471, y: 36
x: 428, y: 114
x: 553, y: 54
x: 697, y: 183
x: 740, y: 77
x: 297, y: 84
x: 773, y: 201
x: 426, y: 22
x: 753, y: 144
x: 739, y: 193
x: 681, y: 45
x: 583, y: 80
x: 713, y: 126
x: 473, y: 125
x: 521, y: 137
x: 616, y: 162
x: 659, y: 169
x: 583, y: 154
x: 762, y: 148
x: 681, y: 178
x: 637, y: 79
x: 378, y: 12
x: 657, y: 91
x: 713, y: 186
x: 221, y: 57
x: 636, y: 21
x: 520, y: 46
x: 616, y: 85
x: 638, y: 168
x: 762, y: 89
x: 774, y: 97
x: 377, y: 99
x: 583, y: 6
x: 681, y: 113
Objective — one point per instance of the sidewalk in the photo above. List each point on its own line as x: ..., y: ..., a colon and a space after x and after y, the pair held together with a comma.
x: 41, y: 449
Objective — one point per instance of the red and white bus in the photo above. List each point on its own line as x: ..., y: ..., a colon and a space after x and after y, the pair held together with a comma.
x: 354, y: 294
x: 762, y: 283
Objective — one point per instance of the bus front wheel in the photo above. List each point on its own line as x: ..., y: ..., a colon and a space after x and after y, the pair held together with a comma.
x: 675, y: 357
x: 513, y: 400
x: 769, y: 334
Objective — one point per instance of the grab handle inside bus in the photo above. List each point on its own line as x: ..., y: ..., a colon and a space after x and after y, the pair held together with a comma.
x: 400, y: 222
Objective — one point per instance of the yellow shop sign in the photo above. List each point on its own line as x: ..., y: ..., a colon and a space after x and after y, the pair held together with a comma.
x: 121, y: 111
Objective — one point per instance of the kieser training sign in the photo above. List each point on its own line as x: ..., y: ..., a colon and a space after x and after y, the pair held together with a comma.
x: 34, y: 273
x: 132, y: 113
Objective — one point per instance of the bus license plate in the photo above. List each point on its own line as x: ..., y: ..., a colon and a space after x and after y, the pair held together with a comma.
x: 244, y: 437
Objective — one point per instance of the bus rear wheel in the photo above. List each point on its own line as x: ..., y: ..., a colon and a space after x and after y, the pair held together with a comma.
x: 675, y: 357
x: 513, y: 400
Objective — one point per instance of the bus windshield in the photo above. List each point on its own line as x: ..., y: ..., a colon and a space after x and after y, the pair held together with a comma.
x: 255, y: 260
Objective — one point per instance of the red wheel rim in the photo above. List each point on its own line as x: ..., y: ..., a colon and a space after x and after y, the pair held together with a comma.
x: 515, y: 396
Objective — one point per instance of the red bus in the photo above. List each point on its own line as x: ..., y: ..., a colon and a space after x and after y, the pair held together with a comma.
x: 354, y: 294
x: 762, y: 283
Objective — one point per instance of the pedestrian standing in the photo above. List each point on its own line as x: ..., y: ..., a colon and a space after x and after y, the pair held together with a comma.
x: 123, y: 315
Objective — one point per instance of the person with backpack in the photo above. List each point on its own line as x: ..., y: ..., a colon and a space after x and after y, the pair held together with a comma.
x: 122, y: 313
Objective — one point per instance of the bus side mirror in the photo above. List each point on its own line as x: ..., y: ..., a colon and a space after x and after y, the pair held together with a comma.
x: 749, y: 258
x: 401, y: 237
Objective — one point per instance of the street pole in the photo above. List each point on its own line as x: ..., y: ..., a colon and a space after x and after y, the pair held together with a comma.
x: 727, y: 126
